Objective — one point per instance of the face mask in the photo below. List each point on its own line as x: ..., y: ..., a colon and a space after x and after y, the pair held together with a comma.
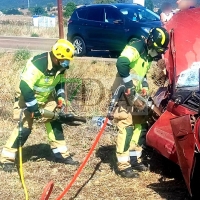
x: 65, y: 64
x: 152, y: 52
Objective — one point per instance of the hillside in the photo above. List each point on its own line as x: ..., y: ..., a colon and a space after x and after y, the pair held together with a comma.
x: 24, y: 3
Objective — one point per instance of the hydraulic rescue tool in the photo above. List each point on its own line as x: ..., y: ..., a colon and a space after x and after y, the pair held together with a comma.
x: 61, y: 117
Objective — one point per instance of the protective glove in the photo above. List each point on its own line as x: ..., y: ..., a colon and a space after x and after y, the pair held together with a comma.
x: 61, y: 104
x: 145, y: 88
x: 36, y: 114
x: 130, y: 93
x: 144, y: 92
x: 135, y: 99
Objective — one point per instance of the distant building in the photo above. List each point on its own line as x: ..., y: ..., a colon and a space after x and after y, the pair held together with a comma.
x: 43, y: 21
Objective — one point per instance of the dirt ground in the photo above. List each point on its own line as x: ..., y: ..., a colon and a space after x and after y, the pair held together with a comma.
x: 98, y: 179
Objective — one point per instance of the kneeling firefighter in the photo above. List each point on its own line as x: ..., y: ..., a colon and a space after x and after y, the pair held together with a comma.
x: 42, y: 86
x: 132, y: 66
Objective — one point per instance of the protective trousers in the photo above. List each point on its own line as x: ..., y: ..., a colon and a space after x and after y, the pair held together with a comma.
x: 131, y: 135
x: 54, y: 131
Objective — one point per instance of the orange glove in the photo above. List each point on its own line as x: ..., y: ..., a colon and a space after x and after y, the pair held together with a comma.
x: 144, y: 91
x: 61, y: 102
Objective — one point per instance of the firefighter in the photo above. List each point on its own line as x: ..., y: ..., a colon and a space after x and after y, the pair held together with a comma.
x: 41, y: 85
x: 132, y: 66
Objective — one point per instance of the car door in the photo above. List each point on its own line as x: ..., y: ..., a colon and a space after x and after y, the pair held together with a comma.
x: 93, y: 27
x: 113, y: 34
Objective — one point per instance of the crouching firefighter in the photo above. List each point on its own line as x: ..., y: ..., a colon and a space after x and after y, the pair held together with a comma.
x: 132, y: 66
x: 42, y: 86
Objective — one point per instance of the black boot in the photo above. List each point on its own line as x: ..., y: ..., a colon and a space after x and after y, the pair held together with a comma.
x: 8, y: 167
x: 68, y: 161
x: 128, y: 173
x: 139, y: 167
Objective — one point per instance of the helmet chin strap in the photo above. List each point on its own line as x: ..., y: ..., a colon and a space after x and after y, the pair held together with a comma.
x: 153, y: 53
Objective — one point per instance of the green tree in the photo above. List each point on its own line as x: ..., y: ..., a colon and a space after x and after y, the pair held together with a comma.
x: 149, y: 4
x: 49, y: 6
x: 12, y: 12
x: 38, y: 10
x: 69, y: 9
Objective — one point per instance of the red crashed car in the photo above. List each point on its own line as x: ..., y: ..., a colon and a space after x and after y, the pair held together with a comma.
x: 176, y: 133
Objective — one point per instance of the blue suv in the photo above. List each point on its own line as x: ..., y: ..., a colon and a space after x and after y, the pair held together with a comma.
x: 109, y: 26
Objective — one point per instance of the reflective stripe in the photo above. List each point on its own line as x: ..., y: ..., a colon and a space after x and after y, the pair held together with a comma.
x: 60, y: 91
x: 123, y: 159
x: 135, y: 153
x: 31, y: 103
x: 127, y: 79
x: 60, y: 149
x: 136, y: 77
x: 163, y: 35
x: 40, y: 89
x: 8, y: 154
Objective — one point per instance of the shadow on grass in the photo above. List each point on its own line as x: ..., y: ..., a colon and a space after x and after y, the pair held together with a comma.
x: 36, y: 152
x: 107, y: 155
x: 174, y: 189
x: 171, y: 189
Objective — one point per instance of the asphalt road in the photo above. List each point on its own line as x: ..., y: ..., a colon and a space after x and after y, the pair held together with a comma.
x: 10, y: 43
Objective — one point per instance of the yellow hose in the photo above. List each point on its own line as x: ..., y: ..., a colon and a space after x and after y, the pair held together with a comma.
x: 21, y: 173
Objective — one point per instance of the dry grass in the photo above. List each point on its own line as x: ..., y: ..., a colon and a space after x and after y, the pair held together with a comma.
x: 98, y: 179
x: 12, y: 25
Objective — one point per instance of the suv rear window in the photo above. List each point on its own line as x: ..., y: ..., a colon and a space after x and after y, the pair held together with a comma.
x: 90, y: 13
x: 82, y: 13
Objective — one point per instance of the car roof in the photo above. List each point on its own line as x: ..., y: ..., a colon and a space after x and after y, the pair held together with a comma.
x: 115, y: 5
x: 125, y: 5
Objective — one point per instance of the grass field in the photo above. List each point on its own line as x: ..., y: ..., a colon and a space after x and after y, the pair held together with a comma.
x: 98, y: 180
x: 12, y: 25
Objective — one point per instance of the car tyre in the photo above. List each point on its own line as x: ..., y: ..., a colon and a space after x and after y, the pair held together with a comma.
x: 79, y: 44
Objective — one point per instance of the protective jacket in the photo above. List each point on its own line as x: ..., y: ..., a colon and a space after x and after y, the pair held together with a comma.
x: 39, y: 79
x: 133, y: 64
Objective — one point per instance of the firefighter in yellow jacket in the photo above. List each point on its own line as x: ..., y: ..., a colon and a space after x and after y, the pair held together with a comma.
x: 42, y: 85
x: 132, y: 66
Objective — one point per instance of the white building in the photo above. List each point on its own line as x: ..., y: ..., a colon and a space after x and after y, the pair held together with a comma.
x: 43, y: 21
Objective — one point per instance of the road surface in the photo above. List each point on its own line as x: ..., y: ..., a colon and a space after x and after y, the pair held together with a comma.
x: 10, y: 43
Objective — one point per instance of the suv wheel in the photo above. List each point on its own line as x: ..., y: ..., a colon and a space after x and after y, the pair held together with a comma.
x: 79, y: 44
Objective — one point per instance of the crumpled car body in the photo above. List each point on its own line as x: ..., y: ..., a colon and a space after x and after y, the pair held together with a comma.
x: 176, y: 133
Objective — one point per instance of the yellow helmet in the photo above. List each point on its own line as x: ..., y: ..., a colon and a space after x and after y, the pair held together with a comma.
x: 63, y: 49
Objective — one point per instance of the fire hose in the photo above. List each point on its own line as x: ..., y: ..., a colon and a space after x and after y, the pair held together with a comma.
x: 20, y: 154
